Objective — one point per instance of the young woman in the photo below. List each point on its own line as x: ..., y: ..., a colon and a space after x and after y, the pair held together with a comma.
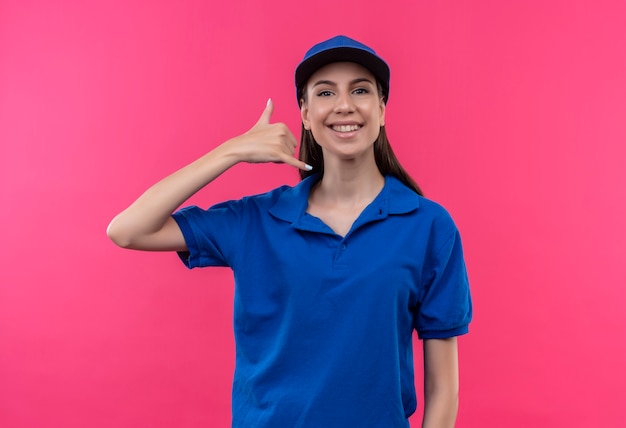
x: 333, y: 275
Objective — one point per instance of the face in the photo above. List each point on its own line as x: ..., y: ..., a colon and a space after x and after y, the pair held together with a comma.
x: 343, y: 109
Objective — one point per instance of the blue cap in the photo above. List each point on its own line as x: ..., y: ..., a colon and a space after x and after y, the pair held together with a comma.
x: 342, y: 48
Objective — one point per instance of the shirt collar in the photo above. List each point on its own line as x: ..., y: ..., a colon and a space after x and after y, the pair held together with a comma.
x: 394, y: 198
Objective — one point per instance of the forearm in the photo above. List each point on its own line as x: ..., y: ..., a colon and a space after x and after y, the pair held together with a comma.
x: 154, y: 207
x: 440, y: 409
x: 441, y: 383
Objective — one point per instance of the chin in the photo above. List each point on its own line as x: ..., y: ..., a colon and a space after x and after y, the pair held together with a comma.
x: 351, y: 153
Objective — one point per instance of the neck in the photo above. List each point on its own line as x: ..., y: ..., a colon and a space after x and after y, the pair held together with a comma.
x: 350, y: 182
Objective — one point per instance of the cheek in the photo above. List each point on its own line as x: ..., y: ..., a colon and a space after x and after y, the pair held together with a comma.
x: 316, y: 114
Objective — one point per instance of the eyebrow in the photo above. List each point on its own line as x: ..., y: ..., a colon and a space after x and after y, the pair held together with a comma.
x: 352, y: 82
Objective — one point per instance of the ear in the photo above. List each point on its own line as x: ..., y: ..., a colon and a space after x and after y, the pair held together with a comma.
x: 382, y: 111
x: 304, y: 114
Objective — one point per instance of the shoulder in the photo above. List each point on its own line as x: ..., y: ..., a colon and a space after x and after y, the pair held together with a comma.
x: 402, y: 199
x: 268, y: 198
x: 263, y: 201
x: 435, y: 210
x: 286, y: 194
x: 230, y: 210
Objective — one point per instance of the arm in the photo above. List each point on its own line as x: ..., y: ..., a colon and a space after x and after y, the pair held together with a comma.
x: 147, y: 223
x: 441, y: 383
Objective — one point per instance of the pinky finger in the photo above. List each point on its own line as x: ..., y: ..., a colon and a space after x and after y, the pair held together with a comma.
x: 298, y: 163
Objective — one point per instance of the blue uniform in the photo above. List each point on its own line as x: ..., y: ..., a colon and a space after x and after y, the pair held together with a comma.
x: 323, y: 323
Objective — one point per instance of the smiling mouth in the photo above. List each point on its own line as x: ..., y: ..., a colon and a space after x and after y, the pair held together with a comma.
x: 345, y: 128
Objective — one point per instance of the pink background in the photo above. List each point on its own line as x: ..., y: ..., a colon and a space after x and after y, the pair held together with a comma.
x: 510, y: 113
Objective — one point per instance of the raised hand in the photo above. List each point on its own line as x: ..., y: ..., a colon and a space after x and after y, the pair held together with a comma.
x: 266, y: 142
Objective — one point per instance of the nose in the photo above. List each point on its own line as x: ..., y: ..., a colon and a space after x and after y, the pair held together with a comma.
x: 345, y: 103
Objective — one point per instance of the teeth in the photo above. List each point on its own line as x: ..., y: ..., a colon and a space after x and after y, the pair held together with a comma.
x: 345, y: 128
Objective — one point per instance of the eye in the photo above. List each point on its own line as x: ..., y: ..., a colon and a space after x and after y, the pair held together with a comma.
x: 324, y: 93
x: 361, y: 91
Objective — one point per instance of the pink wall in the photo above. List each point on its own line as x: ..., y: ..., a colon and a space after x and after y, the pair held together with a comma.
x: 512, y: 114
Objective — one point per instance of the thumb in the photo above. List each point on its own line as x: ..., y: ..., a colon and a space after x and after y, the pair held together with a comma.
x: 267, y: 113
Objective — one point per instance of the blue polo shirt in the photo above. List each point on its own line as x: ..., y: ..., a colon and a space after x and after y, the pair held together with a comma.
x: 323, y: 323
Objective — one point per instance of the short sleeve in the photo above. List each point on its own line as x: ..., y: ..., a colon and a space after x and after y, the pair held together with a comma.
x: 445, y: 307
x: 210, y: 234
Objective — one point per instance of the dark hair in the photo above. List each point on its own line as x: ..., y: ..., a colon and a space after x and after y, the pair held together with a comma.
x: 386, y: 160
